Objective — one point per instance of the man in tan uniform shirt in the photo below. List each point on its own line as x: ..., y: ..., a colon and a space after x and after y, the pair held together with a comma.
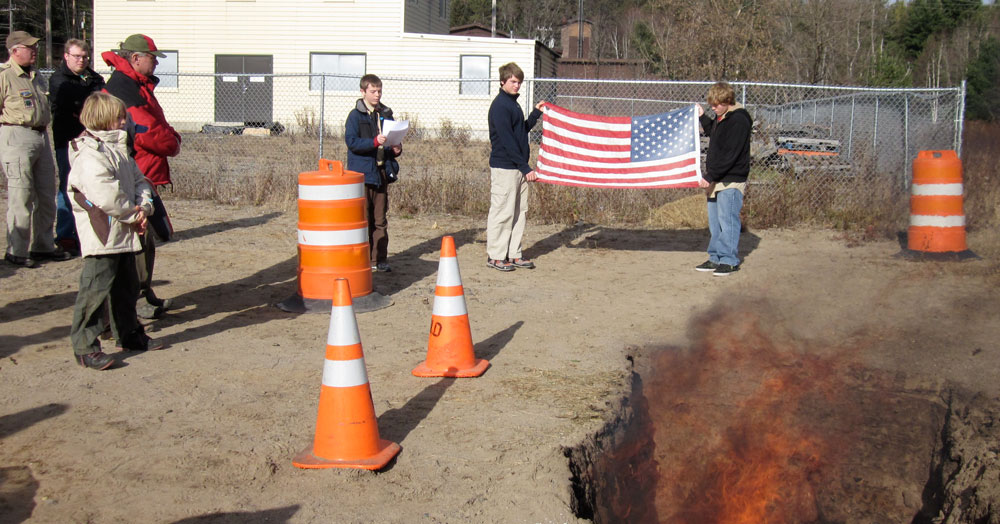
x: 27, y: 157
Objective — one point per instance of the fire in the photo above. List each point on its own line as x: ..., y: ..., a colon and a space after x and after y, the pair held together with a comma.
x: 736, y: 441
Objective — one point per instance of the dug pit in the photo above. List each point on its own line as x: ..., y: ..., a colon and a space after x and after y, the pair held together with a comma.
x: 744, y: 427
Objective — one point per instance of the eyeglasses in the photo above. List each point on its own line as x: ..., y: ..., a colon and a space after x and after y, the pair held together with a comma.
x: 79, y: 57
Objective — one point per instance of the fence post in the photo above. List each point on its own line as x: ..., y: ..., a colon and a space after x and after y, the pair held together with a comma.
x: 850, y: 134
x: 832, y: 104
x: 906, y: 139
x: 322, y: 111
x: 875, y: 132
x: 960, y: 116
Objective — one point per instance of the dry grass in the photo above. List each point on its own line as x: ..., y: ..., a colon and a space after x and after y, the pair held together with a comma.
x: 980, y: 151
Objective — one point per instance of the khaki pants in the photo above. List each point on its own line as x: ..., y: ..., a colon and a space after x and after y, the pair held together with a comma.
x: 508, y: 206
x: 31, y: 190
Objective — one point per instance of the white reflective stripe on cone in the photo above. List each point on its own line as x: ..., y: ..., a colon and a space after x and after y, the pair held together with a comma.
x: 339, y: 192
x: 344, y: 373
x: 448, y: 274
x: 343, y: 327
x: 937, y: 221
x: 449, y: 306
x: 937, y: 189
x: 333, y: 238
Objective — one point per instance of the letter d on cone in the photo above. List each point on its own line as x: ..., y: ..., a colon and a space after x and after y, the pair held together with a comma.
x: 449, y: 347
x: 346, y: 428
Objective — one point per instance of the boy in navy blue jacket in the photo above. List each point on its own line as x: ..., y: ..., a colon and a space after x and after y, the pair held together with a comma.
x: 367, y: 154
x: 509, y: 173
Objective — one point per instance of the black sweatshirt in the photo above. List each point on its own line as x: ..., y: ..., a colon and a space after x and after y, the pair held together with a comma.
x: 728, y: 158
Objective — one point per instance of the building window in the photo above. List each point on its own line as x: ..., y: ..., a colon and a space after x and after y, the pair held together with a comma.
x: 475, y: 75
x: 166, y: 70
x: 352, y: 66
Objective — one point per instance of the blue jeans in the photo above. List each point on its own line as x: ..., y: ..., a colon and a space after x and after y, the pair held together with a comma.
x: 65, y: 223
x: 724, y: 225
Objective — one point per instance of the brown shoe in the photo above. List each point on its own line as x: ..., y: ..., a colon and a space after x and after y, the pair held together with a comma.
x: 97, y: 360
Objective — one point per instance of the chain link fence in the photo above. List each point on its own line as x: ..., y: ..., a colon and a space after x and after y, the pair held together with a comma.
x: 827, y: 145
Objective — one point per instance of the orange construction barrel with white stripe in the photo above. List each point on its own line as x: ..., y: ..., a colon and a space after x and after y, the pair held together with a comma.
x: 937, y: 222
x: 333, y: 231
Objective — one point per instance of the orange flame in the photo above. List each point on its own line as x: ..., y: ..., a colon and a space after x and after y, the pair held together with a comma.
x: 732, y: 444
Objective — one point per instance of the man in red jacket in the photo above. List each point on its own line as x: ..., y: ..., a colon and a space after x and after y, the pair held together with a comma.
x: 152, y: 138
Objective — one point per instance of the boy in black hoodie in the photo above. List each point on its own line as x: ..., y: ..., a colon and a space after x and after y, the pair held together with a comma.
x: 725, y: 178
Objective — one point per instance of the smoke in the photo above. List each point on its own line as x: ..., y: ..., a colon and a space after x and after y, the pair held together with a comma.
x: 745, y: 429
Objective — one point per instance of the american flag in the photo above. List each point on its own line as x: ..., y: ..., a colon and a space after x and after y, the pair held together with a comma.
x: 652, y: 151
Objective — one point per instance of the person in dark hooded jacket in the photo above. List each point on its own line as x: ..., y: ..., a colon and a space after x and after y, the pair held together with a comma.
x: 152, y: 139
x: 367, y: 154
x: 727, y: 165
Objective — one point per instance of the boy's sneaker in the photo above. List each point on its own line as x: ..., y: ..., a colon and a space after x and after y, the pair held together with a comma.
x: 706, y: 266
x: 97, y: 360
x: 382, y: 267
x: 141, y: 342
x: 725, y: 270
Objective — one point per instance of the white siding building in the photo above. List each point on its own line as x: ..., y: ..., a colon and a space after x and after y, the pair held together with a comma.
x: 234, y: 57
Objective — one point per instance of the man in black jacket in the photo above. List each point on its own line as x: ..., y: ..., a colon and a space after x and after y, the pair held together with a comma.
x: 509, y: 173
x: 725, y: 178
x: 70, y: 85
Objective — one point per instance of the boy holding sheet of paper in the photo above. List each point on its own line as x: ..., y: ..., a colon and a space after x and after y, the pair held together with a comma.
x: 369, y: 154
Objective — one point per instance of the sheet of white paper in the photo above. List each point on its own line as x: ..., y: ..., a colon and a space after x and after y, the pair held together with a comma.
x: 394, y: 131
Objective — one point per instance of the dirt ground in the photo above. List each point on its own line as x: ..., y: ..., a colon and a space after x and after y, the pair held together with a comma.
x: 205, y: 430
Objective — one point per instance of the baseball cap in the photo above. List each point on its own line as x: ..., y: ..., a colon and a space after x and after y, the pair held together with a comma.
x: 20, y: 38
x: 140, y: 44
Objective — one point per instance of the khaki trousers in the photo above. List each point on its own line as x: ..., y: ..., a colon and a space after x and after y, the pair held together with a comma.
x: 508, y: 207
x: 31, y: 190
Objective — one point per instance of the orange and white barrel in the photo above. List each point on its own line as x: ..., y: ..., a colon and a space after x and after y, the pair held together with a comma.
x: 332, y: 232
x: 937, y: 221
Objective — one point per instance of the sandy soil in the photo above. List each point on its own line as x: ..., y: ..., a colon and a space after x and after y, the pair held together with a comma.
x: 205, y: 430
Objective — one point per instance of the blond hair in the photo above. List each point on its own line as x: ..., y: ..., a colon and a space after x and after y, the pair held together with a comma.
x: 102, y: 112
x: 721, y: 93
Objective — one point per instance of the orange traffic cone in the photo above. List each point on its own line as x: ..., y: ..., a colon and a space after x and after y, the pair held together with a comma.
x: 449, y: 347
x: 346, y: 429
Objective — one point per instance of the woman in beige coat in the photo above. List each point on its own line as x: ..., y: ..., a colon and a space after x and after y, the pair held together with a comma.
x: 111, y: 202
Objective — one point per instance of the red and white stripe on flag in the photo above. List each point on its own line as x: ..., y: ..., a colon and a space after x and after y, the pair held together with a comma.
x: 654, y: 151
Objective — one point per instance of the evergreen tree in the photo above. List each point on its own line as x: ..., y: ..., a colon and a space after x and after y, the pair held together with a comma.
x: 983, y: 83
